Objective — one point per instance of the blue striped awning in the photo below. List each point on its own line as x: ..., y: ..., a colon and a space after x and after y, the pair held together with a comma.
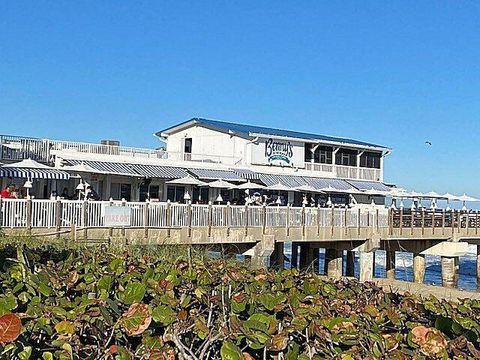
x: 160, y: 172
x: 210, y: 174
x: 369, y: 185
x: 114, y: 168
x: 322, y: 183
x: 287, y: 180
x: 247, y: 174
x: 26, y: 173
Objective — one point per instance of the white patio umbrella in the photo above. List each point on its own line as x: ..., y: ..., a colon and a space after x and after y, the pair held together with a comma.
x: 27, y: 164
x: 307, y: 188
x: 279, y: 187
x: 464, y: 198
x: 248, y: 186
x: 374, y: 192
x: 187, y: 180
x: 220, y: 184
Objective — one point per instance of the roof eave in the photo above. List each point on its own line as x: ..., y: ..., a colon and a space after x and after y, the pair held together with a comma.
x: 322, y: 141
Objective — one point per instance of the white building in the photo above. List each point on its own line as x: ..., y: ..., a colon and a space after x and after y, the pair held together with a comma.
x: 208, y: 150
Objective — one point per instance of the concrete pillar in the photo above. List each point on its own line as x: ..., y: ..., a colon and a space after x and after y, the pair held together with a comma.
x: 390, y: 265
x: 294, y: 257
x: 366, y: 266
x: 449, y: 271
x: 350, y: 265
x: 333, y: 263
x: 418, y: 268
x: 277, y: 258
x: 262, y: 252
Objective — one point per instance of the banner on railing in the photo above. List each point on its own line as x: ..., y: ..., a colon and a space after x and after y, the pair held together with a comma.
x: 117, y: 216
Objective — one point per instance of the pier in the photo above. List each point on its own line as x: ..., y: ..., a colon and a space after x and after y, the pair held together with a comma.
x: 261, y: 231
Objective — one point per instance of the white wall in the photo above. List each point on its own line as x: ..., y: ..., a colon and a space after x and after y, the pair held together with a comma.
x: 206, y: 141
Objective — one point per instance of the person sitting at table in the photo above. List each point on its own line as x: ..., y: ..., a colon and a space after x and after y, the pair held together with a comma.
x: 9, y: 192
x: 64, y: 194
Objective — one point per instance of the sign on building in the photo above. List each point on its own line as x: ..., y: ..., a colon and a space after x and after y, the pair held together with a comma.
x: 117, y: 216
x: 276, y: 152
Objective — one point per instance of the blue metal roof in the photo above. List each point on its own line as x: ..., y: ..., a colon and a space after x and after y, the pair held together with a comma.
x: 251, y: 129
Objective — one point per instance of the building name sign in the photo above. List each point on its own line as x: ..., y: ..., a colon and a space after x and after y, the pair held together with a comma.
x: 279, y: 151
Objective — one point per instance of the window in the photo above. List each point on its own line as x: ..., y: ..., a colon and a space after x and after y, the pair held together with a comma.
x: 346, y: 157
x: 175, y: 193
x: 370, y: 160
x: 322, y: 154
x: 152, y: 190
x: 188, y: 146
x: 325, y: 154
x: 200, y: 195
x: 121, y: 191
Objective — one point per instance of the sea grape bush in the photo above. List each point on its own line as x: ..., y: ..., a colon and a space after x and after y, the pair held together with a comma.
x: 93, y: 304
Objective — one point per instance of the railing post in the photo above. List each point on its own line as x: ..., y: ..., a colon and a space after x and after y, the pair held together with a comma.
x: 1, y: 205
x: 401, y: 221
x: 377, y: 220
x: 110, y: 229
x: 423, y: 221
x: 246, y: 219
x: 264, y: 218
x: 210, y: 218
x: 303, y: 221
x: 58, y: 217
x: 467, y: 221
x: 391, y: 214
x: 146, y: 219
x: 333, y: 219
x: 453, y: 220
x: 412, y: 223
x: 287, y: 223
x: 124, y: 234
x: 443, y: 221
x: 359, y: 214
x: 190, y: 215
x: 433, y: 222
x: 476, y: 220
x: 345, y: 222
x: 459, y: 220
x: 318, y: 220
x: 227, y: 217
x: 85, y: 218
x: 29, y: 215
x: 168, y: 219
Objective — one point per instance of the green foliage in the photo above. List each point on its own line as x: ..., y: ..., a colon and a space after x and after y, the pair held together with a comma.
x: 156, y: 303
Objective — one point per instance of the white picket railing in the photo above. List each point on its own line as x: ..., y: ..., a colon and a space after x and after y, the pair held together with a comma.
x: 16, y: 213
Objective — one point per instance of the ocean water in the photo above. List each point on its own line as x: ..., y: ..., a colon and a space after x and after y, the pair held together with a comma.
x: 404, y: 267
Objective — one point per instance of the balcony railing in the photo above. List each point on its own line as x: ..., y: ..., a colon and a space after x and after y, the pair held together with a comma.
x: 346, y: 172
x: 16, y: 148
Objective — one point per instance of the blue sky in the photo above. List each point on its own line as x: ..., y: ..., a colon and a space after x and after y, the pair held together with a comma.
x: 394, y: 73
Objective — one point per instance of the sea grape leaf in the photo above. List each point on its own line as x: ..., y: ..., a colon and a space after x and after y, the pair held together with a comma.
x: 65, y: 327
x: 230, y: 351
x: 7, y: 304
x: 10, y: 328
x: 164, y: 315
x: 105, y: 283
x: 134, y: 293
x: 137, y: 319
